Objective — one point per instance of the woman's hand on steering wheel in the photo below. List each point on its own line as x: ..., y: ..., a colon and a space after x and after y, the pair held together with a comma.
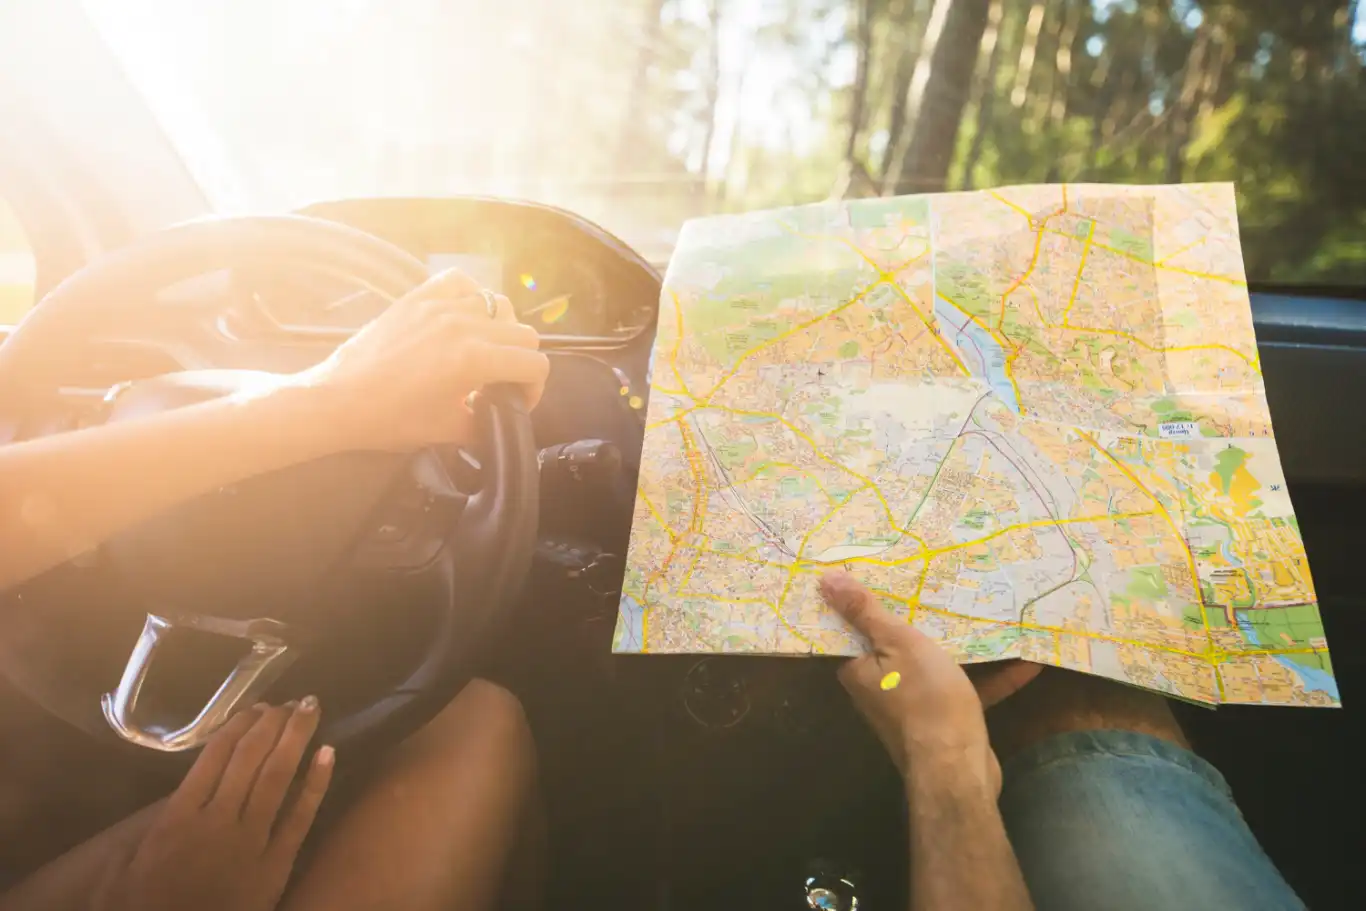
x: 226, y: 840
x: 402, y: 382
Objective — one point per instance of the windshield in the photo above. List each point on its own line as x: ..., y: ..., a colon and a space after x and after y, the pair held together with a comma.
x: 642, y: 113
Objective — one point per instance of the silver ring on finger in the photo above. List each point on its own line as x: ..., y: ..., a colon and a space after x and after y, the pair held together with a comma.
x: 490, y: 302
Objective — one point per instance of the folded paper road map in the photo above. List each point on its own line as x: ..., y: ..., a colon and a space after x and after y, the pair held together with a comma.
x: 1031, y: 419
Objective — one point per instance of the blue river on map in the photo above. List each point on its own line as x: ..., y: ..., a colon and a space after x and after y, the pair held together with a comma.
x: 1314, y: 678
x: 980, y: 352
x: 632, y: 629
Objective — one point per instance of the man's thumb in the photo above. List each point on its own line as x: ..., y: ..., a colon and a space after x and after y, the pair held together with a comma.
x: 855, y: 603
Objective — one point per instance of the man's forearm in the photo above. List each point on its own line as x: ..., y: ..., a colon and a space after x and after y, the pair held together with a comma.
x: 62, y: 495
x: 960, y: 856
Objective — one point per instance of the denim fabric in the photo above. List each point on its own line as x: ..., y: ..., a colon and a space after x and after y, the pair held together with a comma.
x: 1122, y: 821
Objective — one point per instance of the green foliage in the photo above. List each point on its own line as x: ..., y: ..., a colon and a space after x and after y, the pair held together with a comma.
x: 1265, y: 93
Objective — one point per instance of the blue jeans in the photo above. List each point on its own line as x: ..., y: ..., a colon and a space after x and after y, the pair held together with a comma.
x: 1123, y: 821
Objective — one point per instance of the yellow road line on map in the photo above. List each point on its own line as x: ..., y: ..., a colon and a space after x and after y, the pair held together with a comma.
x: 964, y: 310
x: 913, y: 604
x: 1138, y: 341
x: 802, y: 564
x: 801, y: 547
x: 1185, y: 547
x: 1010, y: 375
x: 796, y: 431
x: 678, y: 343
x: 1033, y: 261
x: 1000, y: 340
x: 934, y: 330
x: 1018, y: 208
x: 857, y: 250
x: 1089, y: 242
x: 699, y: 477
x: 1076, y: 285
x: 673, y: 544
x: 1208, y: 276
x: 797, y: 468
x: 1189, y: 246
x: 655, y: 513
x: 931, y: 553
x: 729, y: 374
x: 1057, y: 630
x: 889, y: 277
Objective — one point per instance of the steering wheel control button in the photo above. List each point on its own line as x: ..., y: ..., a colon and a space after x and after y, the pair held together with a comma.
x: 583, y: 461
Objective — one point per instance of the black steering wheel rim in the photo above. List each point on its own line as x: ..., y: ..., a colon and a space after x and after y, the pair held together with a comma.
x: 500, y: 520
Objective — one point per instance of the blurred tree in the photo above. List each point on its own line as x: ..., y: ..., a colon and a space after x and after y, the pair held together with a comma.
x: 711, y: 87
x: 864, y: 12
x: 920, y: 156
x: 912, y: 23
x: 984, y: 91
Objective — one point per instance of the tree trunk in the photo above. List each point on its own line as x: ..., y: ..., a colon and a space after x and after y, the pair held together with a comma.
x: 863, y: 38
x: 1055, y: 112
x: 1218, y: 69
x: 916, y: 27
x: 986, y: 90
x: 852, y: 169
x: 1062, y: 62
x: 937, y: 95
x: 1102, y: 114
x: 1029, y: 48
x: 1182, y: 115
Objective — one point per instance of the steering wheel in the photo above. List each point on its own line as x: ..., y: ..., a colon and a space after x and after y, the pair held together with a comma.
x: 287, y: 574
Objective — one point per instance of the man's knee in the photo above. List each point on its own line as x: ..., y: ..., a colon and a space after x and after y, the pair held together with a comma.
x: 1061, y: 701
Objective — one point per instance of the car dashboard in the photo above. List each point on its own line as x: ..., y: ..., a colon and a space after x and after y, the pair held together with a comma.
x: 592, y: 299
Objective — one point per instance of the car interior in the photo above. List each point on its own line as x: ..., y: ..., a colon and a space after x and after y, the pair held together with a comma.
x: 669, y: 781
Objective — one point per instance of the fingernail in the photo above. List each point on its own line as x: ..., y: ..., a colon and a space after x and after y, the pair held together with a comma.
x: 326, y: 756
x: 260, y: 706
x: 292, y: 705
x: 309, y: 704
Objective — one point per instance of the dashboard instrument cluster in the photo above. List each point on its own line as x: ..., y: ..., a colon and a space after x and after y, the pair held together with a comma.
x: 551, y: 267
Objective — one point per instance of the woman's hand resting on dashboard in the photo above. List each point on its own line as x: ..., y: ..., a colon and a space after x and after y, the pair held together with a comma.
x: 401, y: 383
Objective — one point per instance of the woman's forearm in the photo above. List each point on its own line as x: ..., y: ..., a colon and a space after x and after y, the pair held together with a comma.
x: 960, y: 856
x: 62, y: 495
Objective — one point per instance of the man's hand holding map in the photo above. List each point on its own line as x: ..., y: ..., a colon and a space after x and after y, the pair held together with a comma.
x: 1032, y: 420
